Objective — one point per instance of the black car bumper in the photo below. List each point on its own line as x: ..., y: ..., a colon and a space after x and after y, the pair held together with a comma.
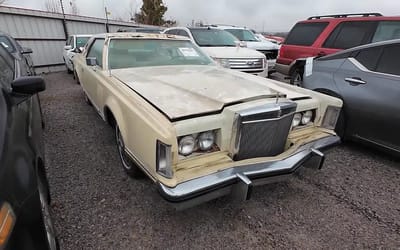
x: 238, y: 181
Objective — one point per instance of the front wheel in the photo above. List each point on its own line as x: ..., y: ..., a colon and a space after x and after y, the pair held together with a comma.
x: 129, y: 166
x: 46, y: 213
x: 296, y: 78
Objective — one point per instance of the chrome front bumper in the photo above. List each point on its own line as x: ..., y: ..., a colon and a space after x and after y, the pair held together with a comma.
x: 238, y: 181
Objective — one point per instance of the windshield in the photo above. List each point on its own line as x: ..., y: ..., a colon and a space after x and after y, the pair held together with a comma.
x: 213, y: 38
x: 128, y: 53
x: 81, y: 41
x: 7, y: 44
x: 243, y: 35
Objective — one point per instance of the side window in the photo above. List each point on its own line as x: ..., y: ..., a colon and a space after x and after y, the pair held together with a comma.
x: 350, y: 34
x: 183, y: 33
x: 171, y: 32
x: 69, y: 41
x: 388, y: 63
x: 96, y: 50
x: 387, y: 30
x: 369, y: 57
x: 6, y: 73
x: 305, y: 34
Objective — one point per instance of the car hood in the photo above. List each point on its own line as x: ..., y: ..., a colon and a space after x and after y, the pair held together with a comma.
x: 261, y: 45
x: 184, y: 91
x: 232, y: 52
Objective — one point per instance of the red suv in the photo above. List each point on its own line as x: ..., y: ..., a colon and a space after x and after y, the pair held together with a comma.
x: 323, y: 35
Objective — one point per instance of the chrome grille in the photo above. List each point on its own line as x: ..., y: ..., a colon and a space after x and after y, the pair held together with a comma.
x: 263, y: 132
x: 246, y: 64
x: 270, y: 54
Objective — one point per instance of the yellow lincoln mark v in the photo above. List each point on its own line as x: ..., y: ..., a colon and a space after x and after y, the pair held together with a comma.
x: 198, y: 130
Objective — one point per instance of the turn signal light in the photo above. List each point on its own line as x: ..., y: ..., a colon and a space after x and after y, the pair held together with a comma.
x: 7, y: 222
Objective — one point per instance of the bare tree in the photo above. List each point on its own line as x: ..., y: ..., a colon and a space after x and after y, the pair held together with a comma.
x: 132, y: 11
x: 3, y: 2
x: 52, y: 6
x: 74, y: 7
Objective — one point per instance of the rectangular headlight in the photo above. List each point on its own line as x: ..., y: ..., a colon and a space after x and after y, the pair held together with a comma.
x: 330, y: 118
x: 164, y: 160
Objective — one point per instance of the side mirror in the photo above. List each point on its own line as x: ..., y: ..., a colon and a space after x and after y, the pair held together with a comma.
x: 78, y: 50
x: 67, y: 47
x: 26, y: 51
x: 91, y: 61
x: 29, y: 85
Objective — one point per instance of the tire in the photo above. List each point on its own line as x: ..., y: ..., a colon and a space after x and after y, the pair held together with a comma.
x: 130, y: 168
x: 296, y: 78
x: 44, y: 196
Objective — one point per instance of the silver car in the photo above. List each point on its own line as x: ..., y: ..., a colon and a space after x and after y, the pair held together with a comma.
x: 367, y: 79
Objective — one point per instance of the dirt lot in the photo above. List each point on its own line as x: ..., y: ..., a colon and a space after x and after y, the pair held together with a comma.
x: 354, y: 202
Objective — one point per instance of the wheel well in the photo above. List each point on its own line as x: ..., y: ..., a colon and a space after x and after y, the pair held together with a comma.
x: 41, y: 172
x: 109, y: 117
x: 299, y: 64
x: 329, y: 92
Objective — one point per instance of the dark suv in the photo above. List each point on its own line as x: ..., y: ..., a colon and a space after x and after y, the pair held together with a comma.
x: 25, y: 221
x: 322, y: 35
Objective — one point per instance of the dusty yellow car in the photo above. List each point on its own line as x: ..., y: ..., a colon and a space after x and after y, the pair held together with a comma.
x: 198, y: 130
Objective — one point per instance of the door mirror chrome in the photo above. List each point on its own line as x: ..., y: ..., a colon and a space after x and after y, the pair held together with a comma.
x: 28, y: 85
x: 91, y: 61
x: 26, y: 51
x: 67, y: 47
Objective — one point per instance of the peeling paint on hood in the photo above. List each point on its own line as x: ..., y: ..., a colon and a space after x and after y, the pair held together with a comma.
x: 180, y: 91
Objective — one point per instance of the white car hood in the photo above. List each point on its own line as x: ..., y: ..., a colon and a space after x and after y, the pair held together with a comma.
x: 262, y: 45
x: 232, y: 52
x: 181, y: 91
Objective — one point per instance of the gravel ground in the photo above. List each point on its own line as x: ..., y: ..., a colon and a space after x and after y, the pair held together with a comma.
x: 353, y: 202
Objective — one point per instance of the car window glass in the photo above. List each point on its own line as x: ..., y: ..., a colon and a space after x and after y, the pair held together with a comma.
x: 350, y: 34
x: 6, y: 72
x: 5, y: 41
x: 369, y: 57
x: 69, y: 41
x: 81, y: 41
x: 130, y: 53
x: 213, y: 38
x: 183, y: 33
x: 387, y: 30
x: 171, y: 32
x: 96, y: 50
x: 388, y: 63
x: 243, y: 35
x: 305, y: 33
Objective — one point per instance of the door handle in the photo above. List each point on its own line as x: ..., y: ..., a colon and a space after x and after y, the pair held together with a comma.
x: 355, y: 81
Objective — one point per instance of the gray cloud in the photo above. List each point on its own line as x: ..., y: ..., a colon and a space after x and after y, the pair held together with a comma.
x: 272, y: 15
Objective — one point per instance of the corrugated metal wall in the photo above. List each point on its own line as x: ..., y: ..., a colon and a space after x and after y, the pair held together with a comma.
x: 44, y: 32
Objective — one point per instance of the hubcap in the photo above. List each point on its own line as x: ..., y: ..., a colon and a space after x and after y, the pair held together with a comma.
x: 297, y: 80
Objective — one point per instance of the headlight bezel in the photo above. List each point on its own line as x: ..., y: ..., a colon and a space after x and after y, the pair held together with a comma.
x: 301, y: 123
x: 197, y: 141
x: 223, y: 62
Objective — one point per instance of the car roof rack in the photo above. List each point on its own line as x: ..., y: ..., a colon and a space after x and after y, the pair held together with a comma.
x: 345, y: 15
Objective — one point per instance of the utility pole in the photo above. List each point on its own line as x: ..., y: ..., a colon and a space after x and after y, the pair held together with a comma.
x: 64, y: 21
x: 107, y: 28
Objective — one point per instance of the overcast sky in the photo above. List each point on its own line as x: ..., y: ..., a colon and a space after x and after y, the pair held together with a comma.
x: 267, y: 15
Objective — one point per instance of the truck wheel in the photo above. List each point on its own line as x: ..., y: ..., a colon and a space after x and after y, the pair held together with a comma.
x: 296, y: 78
x: 129, y: 166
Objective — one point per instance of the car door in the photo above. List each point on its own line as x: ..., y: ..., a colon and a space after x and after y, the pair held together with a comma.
x: 370, y: 86
x: 91, y: 77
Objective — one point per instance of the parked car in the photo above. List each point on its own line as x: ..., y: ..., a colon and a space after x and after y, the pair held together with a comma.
x: 199, y: 130
x: 324, y: 35
x: 278, y: 39
x: 269, y: 49
x: 141, y: 30
x: 25, y: 221
x: 74, y: 45
x: 367, y: 79
x: 224, y: 48
x: 22, y: 55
